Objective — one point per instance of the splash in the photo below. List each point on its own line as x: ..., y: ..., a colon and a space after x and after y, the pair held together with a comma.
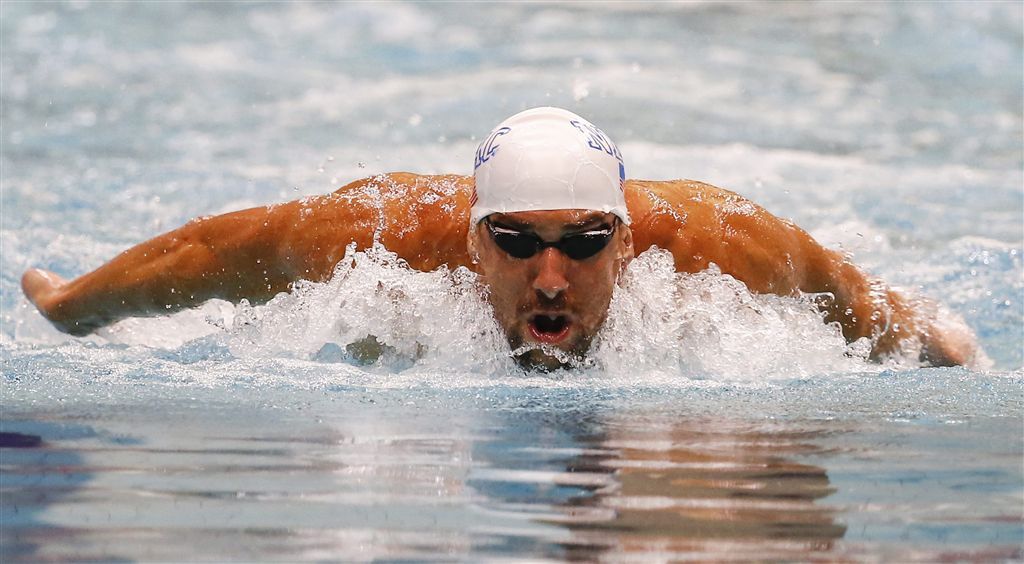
x: 378, y: 316
x: 378, y: 313
x: 710, y: 325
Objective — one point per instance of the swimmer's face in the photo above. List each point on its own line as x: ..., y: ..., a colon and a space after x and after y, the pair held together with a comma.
x: 551, y: 299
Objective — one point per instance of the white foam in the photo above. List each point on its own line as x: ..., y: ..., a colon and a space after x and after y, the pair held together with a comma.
x: 377, y: 316
x: 377, y: 310
x: 661, y: 325
x: 710, y: 325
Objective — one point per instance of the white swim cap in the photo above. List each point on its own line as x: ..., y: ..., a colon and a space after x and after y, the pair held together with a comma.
x: 547, y: 159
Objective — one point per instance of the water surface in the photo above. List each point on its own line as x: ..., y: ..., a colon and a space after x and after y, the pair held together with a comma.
x: 736, y: 427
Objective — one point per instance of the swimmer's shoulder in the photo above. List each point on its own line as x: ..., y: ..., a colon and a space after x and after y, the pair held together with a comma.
x: 407, y: 185
x: 652, y: 195
x: 702, y: 224
x: 422, y: 218
x: 679, y: 208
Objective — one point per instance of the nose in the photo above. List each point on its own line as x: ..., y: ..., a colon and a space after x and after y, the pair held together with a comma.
x: 551, y: 280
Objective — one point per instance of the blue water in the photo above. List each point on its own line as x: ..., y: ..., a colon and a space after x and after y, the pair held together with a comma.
x: 890, y: 130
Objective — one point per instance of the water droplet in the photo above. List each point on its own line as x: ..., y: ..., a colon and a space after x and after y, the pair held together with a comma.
x: 580, y: 89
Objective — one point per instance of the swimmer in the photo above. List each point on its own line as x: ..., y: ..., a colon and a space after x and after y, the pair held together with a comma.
x: 549, y: 222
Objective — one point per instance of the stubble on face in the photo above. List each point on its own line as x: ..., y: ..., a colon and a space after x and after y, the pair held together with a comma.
x: 536, y: 300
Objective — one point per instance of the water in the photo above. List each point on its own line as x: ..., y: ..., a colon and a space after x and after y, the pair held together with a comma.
x: 736, y: 426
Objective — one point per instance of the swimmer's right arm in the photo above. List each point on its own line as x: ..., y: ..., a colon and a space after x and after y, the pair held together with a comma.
x: 250, y: 254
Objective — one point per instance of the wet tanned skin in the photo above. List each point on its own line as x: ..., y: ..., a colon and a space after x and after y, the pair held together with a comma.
x: 256, y: 253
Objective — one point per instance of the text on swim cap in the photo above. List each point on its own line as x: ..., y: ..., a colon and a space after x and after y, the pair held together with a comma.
x: 488, y: 148
x: 596, y: 139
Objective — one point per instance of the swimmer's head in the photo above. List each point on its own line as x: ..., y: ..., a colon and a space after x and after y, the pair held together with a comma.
x: 547, y: 159
x: 549, y: 231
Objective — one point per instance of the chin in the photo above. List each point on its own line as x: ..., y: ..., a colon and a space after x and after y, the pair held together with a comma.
x: 533, y: 355
x: 547, y: 360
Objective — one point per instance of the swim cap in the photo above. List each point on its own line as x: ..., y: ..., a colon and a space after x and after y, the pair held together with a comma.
x: 547, y: 159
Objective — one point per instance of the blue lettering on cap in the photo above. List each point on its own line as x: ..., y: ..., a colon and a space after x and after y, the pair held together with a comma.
x: 596, y: 139
x: 488, y: 148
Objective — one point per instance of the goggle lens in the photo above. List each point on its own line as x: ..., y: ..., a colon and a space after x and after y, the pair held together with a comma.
x: 525, y: 245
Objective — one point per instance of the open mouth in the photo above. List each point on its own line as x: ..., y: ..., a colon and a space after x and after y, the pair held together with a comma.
x: 549, y: 328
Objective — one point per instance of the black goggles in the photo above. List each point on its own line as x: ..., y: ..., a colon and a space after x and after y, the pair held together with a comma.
x: 577, y: 246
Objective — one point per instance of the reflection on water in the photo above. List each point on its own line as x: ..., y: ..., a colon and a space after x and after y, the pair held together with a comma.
x: 706, y: 486
x: 32, y: 477
x: 366, y: 485
x: 492, y: 472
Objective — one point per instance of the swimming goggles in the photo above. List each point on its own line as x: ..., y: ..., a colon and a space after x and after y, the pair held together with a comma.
x: 577, y: 246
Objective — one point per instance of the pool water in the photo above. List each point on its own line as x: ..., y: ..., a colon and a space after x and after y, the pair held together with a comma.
x: 728, y: 426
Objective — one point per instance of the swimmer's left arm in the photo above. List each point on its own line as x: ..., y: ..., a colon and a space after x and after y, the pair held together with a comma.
x: 862, y: 305
x: 895, y: 323
x: 701, y: 224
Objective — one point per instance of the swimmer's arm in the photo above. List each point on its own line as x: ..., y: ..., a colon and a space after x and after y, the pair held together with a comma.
x: 774, y: 256
x: 866, y: 307
x: 251, y: 254
x: 781, y: 257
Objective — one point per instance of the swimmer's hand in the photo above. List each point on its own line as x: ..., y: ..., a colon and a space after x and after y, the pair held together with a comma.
x: 919, y: 327
x: 45, y: 290
x: 948, y: 341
